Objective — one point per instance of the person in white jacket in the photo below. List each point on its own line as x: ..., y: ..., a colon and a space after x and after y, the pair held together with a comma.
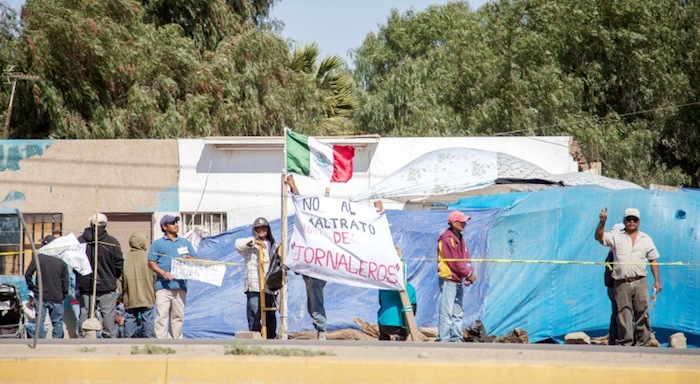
x: 249, y: 248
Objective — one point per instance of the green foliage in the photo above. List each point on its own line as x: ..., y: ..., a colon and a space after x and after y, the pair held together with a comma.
x: 105, y: 73
x: 239, y: 349
x: 334, y: 84
x: 622, y: 78
x: 607, y: 73
x: 151, y: 349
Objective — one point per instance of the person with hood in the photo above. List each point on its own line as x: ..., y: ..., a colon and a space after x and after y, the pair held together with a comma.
x: 109, y: 270
x: 454, y: 272
x: 54, y: 279
x: 138, y: 289
x: 249, y: 248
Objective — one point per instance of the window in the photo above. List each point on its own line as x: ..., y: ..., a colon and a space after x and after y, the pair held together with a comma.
x: 214, y: 222
x: 15, y: 242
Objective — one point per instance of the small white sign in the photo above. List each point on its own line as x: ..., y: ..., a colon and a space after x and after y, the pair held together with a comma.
x: 191, y: 269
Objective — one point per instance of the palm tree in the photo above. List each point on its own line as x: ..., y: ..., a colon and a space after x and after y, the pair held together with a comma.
x: 339, y: 92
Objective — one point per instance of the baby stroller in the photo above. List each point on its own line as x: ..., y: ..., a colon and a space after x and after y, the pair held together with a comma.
x: 11, y: 314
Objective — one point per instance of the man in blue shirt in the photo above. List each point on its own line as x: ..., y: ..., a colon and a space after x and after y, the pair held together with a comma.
x: 170, y: 293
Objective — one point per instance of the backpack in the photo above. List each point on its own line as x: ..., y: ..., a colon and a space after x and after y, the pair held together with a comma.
x: 275, y: 274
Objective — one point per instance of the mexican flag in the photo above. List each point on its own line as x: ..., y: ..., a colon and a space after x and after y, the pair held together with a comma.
x: 310, y: 157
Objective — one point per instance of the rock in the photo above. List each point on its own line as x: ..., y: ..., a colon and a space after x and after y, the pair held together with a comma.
x: 653, y: 342
x: 577, y: 338
x: 423, y: 355
x: 248, y: 335
x: 678, y: 340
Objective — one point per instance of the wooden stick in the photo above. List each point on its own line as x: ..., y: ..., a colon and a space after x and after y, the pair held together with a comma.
x: 261, y: 285
x: 413, y: 333
x: 283, y: 259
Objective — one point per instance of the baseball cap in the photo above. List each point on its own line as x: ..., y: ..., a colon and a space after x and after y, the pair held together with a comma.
x: 169, y: 219
x: 47, y: 239
x: 457, y: 216
x: 632, y: 212
x: 98, y: 219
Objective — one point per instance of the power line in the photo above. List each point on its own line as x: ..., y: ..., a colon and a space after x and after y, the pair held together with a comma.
x: 598, y: 118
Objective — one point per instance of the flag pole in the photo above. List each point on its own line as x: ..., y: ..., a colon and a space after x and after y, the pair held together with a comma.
x: 283, y: 254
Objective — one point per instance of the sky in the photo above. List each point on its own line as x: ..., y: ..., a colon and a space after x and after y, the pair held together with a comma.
x: 337, y: 26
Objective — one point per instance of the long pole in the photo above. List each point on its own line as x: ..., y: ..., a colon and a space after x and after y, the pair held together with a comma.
x: 6, y: 132
x: 94, y: 270
x: 261, y: 286
x: 283, y: 254
x: 13, y: 76
x: 39, y: 282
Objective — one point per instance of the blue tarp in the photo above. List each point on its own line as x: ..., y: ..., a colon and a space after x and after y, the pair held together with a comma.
x: 556, y: 295
x: 550, y: 300
x: 219, y: 312
x: 547, y: 299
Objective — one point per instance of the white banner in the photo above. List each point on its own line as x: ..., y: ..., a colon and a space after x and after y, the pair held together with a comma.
x: 69, y: 249
x: 194, y: 270
x: 343, y: 242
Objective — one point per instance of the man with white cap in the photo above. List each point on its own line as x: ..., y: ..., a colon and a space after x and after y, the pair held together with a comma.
x: 631, y: 249
x: 454, y: 271
x: 109, y: 269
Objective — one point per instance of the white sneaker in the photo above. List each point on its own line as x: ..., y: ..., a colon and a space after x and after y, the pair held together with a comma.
x: 322, y: 335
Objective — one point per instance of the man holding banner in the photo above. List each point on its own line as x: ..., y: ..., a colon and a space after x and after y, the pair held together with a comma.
x: 170, y: 292
x: 339, y: 241
x: 314, y: 287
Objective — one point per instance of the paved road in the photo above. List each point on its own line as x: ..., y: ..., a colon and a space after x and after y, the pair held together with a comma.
x: 81, y: 360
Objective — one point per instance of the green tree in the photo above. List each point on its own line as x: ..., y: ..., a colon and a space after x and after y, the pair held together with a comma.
x: 337, y: 87
x: 9, y: 40
x: 607, y: 74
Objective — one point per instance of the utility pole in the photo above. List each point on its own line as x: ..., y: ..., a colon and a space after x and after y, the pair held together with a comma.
x: 12, y: 78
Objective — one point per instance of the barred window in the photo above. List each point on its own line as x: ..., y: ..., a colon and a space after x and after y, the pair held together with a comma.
x: 215, y: 222
x: 15, y: 242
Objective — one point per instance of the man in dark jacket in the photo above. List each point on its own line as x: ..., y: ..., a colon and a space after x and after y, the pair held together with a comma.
x: 54, y: 279
x: 109, y: 269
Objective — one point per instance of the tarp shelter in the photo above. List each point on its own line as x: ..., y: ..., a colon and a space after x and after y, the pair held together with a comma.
x: 558, y: 292
x: 454, y: 171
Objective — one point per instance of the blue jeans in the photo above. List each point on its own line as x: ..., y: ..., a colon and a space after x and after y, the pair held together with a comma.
x: 254, y: 316
x: 55, y: 311
x: 314, y: 302
x: 30, y: 328
x: 138, y: 322
x: 451, y: 313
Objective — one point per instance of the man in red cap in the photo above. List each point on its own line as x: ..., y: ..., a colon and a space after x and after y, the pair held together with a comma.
x: 454, y: 271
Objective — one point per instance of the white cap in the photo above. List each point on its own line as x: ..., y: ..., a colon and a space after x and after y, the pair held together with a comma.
x: 98, y: 219
x: 632, y: 212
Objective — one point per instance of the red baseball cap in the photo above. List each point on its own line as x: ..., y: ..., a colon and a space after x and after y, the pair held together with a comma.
x: 457, y: 216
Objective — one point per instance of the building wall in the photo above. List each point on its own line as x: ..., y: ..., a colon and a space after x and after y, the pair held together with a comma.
x: 246, y: 183
x: 77, y: 177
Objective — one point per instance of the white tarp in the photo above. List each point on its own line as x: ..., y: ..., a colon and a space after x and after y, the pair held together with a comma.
x: 192, y: 269
x: 459, y: 170
x: 69, y: 249
x: 338, y: 241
